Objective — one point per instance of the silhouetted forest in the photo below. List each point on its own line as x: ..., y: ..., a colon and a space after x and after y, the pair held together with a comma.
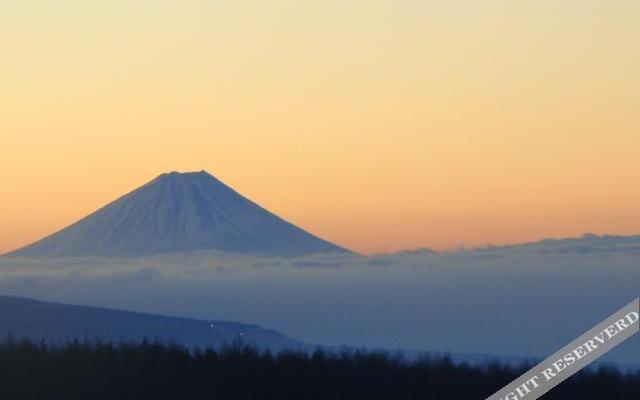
x: 157, y: 371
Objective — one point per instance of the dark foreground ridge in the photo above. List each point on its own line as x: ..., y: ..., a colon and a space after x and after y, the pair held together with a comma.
x: 179, y: 212
x: 155, y: 371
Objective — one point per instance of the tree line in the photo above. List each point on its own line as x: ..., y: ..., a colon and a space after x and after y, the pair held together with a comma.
x: 153, y: 370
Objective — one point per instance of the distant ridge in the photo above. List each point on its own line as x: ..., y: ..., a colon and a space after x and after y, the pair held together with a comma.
x: 61, y: 323
x: 179, y: 212
x: 588, y: 243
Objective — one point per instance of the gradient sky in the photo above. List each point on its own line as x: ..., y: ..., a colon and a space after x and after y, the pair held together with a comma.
x: 379, y: 125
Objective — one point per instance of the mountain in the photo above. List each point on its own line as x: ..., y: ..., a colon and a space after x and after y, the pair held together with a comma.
x: 588, y: 243
x: 179, y: 212
x: 60, y: 323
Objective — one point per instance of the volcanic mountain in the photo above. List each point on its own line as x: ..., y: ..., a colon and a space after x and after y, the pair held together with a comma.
x: 179, y: 212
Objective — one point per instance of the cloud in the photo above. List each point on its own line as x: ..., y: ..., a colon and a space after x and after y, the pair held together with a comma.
x: 522, y: 300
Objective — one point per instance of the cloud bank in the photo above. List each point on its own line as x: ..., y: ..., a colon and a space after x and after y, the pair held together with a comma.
x: 524, y: 300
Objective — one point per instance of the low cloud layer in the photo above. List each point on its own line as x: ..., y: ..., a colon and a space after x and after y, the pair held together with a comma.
x: 523, y: 301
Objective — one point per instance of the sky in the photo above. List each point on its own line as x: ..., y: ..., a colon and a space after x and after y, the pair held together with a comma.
x: 378, y: 125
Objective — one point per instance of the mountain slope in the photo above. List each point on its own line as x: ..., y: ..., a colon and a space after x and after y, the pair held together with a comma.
x: 60, y: 323
x: 179, y: 212
x: 586, y: 244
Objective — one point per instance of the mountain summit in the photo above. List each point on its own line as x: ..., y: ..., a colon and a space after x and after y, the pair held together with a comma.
x: 179, y: 212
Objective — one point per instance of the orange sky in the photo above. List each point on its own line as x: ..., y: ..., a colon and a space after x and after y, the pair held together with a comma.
x: 379, y: 125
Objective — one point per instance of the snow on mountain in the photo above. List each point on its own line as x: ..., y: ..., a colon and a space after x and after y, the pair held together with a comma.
x: 179, y: 212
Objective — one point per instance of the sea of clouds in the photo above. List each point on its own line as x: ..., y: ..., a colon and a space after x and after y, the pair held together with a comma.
x: 525, y: 300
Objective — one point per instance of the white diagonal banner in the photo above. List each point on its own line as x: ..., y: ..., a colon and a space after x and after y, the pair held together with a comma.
x: 576, y: 355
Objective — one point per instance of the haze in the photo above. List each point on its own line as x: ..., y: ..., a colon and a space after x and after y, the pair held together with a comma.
x: 478, y: 302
